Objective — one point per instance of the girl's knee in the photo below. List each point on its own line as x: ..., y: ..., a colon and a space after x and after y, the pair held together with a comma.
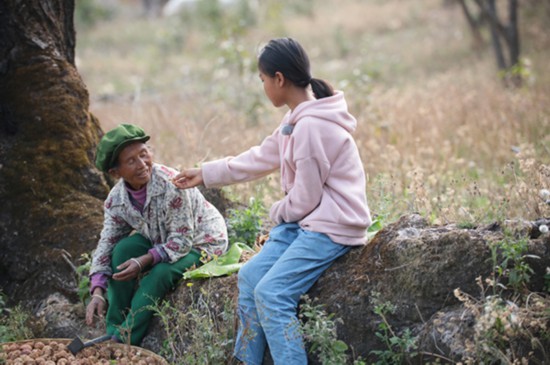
x: 248, y: 277
x: 264, y: 294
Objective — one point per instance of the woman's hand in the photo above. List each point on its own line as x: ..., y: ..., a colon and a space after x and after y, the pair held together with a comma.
x: 97, y: 305
x: 129, y: 269
x: 188, y: 178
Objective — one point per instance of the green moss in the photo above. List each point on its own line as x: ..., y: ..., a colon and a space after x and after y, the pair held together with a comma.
x: 50, y: 189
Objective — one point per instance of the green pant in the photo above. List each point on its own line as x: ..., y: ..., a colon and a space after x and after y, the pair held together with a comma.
x: 128, y: 315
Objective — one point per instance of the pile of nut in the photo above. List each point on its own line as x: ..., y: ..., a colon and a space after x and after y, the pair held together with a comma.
x: 56, y: 353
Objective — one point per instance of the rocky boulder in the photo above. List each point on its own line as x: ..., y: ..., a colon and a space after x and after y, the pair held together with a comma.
x: 410, y: 264
x: 439, y: 281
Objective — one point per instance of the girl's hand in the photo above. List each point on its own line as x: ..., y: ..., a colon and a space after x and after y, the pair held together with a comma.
x: 188, y: 178
x: 97, y: 305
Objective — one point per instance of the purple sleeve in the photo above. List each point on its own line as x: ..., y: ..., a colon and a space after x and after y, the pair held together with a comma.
x: 98, y: 280
x: 158, y: 255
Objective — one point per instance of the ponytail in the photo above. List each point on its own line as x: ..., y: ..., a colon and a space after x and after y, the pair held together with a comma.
x: 321, y: 88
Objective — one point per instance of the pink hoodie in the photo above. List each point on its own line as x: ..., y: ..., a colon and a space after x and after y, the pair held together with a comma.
x: 321, y: 170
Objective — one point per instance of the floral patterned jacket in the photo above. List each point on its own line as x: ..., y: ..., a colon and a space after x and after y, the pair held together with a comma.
x: 173, y: 219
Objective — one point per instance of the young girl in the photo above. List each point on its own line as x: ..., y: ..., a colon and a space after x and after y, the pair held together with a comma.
x: 323, y: 212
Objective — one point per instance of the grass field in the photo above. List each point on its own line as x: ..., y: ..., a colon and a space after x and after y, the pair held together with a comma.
x: 438, y: 132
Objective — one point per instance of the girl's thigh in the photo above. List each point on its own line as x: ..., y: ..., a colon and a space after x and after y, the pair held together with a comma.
x: 301, y: 265
x: 280, y: 239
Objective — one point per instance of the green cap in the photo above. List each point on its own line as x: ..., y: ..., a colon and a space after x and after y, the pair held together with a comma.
x: 114, y: 141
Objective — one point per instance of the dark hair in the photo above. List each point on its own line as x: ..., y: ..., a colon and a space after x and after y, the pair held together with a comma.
x: 287, y: 56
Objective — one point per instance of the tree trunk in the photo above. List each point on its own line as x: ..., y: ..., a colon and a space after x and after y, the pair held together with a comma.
x: 513, y: 41
x: 493, y: 24
x: 51, y: 194
x: 477, y: 38
x: 504, y: 36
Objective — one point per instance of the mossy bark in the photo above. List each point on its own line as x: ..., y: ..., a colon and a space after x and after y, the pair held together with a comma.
x: 51, y: 194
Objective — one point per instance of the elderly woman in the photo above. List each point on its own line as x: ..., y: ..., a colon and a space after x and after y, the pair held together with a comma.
x: 152, y: 231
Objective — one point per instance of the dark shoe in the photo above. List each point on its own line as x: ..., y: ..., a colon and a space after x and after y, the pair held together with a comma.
x: 235, y: 361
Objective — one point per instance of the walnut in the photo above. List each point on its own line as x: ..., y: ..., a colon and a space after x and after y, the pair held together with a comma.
x: 13, y: 347
x: 118, y: 353
x: 36, y: 353
x: 14, y: 354
x: 47, y: 351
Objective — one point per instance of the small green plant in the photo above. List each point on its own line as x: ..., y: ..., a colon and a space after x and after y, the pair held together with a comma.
x: 319, y: 330
x: 196, y: 335
x: 509, y: 266
x: 14, y: 324
x: 399, y: 349
x: 82, y: 278
x: 508, y: 315
x: 244, y: 225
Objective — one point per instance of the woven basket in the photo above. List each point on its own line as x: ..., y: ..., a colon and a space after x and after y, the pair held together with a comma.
x: 107, y: 347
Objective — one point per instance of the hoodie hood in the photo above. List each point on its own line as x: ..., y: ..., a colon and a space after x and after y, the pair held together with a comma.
x: 332, y: 109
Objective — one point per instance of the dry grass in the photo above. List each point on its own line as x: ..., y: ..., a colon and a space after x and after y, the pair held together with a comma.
x: 437, y: 131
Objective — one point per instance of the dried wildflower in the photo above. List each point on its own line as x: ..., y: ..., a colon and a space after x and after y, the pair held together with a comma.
x: 543, y: 228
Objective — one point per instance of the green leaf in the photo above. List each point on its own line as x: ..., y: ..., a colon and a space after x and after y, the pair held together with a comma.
x: 340, y: 346
x: 225, y: 264
x: 373, y: 229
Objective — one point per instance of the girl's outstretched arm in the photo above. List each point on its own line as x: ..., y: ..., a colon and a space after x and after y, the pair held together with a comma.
x: 188, y: 178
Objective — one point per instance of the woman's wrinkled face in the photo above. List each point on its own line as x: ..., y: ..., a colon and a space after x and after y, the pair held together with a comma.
x: 135, y: 165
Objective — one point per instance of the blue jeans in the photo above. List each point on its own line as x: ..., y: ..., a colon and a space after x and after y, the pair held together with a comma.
x: 270, y: 287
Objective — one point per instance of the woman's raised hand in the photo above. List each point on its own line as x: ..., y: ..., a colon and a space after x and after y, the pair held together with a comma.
x: 188, y: 178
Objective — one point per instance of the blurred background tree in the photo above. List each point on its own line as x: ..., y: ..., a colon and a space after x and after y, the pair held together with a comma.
x: 504, y: 33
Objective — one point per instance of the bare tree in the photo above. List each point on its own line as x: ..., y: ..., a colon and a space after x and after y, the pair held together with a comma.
x: 504, y: 35
x: 51, y: 194
x: 475, y: 20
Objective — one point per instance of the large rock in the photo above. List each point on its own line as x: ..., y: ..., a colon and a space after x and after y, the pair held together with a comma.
x: 410, y: 264
x: 415, y: 267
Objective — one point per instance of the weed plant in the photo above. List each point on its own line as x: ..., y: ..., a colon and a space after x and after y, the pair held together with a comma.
x: 14, y: 322
x: 511, y: 322
x: 244, y: 225
x: 319, y: 331
x: 509, y: 266
x: 400, y: 349
x: 196, y: 335
x: 83, y: 278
